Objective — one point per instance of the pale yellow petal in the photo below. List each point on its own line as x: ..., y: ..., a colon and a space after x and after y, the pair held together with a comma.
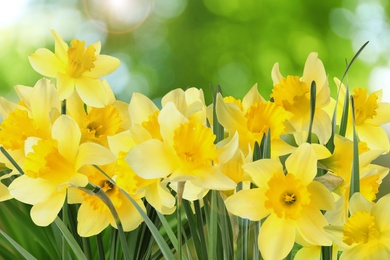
x: 44, y: 213
x: 170, y: 119
x: 93, y: 153
x: 248, y: 204
x: 321, y: 151
x: 91, y: 91
x: 381, y: 211
x: 230, y: 116
x: 161, y: 199
x: 4, y: 193
x: 366, y: 251
x: 31, y: 190
x: 151, y: 159
x: 44, y: 97
x: 358, y: 203
x: 375, y: 137
x: 276, y: 76
x: 382, y: 115
x: 276, y: 237
x: 336, y: 234
x: 253, y: 96
x: 213, y: 179
x: 228, y: 148
x: 66, y: 131
x: 310, y: 226
x: 262, y: 171
x: 65, y: 86
x: 322, y: 126
x: 308, y: 253
x: 104, y: 65
x: 314, y: 71
x: 109, y: 92
x: 60, y: 47
x: 140, y: 108
x: 303, y: 163
x: 90, y: 221
x: 121, y: 142
x: 191, y: 192
x: 177, y: 97
x: 78, y: 180
x: 128, y: 214
x: 24, y: 92
x: 338, y: 215
x: 320, y: 196
x: 46, y: 63
x: 7, y: 107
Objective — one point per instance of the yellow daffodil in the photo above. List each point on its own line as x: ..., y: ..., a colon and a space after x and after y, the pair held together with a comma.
x: 252, y: 119
x: 293, y: 93
x: 155, y: 190
x: 366, y: 232
x: 340, y: 164
x: 186, y: 152
x: 51, y: 166
x: 38, y: 107
x: 370, y: 113
x: 292, y: 202
x: 93, y: 215
x: 96, y: 124
x: 76, y: 67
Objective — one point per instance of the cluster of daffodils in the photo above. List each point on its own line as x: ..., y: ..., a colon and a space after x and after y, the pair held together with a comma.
x: 69, y: 132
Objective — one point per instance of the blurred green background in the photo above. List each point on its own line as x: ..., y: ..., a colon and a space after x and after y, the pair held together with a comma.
x: 167, y: 44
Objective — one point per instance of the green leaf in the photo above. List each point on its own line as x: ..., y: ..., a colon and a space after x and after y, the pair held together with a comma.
x: 70, y: 239
x: 18, y: 247
x: 313, y: 92
x: 355, y: 179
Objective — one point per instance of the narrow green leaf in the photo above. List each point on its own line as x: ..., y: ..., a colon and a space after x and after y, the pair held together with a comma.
x: 200, y: 225
x: 355, y: 179
x: 213, y: 226
x: 217, y: 127
x: 18, y: 247
x: 168, y: 230
x: 11, y: 160
x: 313, y: 92
x: 344, y: 117
x: 70, y: 239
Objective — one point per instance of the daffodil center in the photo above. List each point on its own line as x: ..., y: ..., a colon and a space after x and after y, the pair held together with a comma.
x: 152, y: 125
x: 360, y: 228
x: 292, y: 94
x: 194, y: 145
x: 286, y: 196
x: 15, y: 129
x: 369, y: 186
x: 46, y: 162
x: 232, y: 100
x: 102, y: 122
x: 365, y: 107
x: 80, y: 59
x: 261, y: 117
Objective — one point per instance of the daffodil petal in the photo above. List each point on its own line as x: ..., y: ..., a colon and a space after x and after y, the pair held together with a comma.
x: 177, y: 97
x: 66, y: 131
x: 31, y: 190
x: 160, y: 198
x: 24, y: 92
x: 276, y: 237
x: 44, y: 213
x: 140, y: 108
x: 121, y: 142
x: 248, y: 204
x: 358, y: 203
x: 45, y: 63
x: 276, y: 76
x: 320, y: 196
x: 310, y: 226
x: 170, y: 119
x: 303, y: 163
x: 93, y: 153
x: 129, y: 215
x: 4, y: 193
x: 91, y: 91
x: 308, y: 253
x: 65, y: 86
x: 262, y: 170
x: 213, y: 179
x: 381, y: 211
x: 150, y: 159
x: 253, y: 96
x: 227, y: 151
x: 104, y: 65
x: 382, y: 115
x: 314, y: 71
x: 91, y: 222
x: 7, y: 107
x: 230, y: 116
x: 60, y: 47
x: 375, y: 137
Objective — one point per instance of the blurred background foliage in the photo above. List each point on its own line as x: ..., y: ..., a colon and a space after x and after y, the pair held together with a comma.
x: 167, y: 44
